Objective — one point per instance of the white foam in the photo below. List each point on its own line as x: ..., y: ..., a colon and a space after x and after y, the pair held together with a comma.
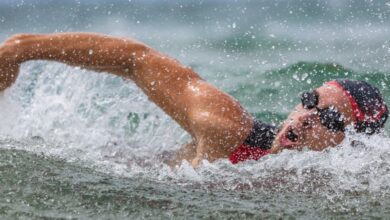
x: 83, y: 116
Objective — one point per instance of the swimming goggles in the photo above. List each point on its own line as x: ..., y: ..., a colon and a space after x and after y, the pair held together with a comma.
x: 330, y: 117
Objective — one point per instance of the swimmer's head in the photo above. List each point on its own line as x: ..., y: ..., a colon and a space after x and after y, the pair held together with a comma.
x: 320, y: 120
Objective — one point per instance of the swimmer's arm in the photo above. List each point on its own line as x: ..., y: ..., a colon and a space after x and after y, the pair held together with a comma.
x: 119, y: 56
x: 215, y: 120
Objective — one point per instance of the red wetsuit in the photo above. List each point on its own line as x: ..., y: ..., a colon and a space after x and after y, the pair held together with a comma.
x: 256, y: 145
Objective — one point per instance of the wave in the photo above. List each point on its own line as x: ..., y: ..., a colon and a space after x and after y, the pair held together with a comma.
x: 103, y: 131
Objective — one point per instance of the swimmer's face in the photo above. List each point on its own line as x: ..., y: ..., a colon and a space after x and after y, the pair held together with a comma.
x: 303, y: 127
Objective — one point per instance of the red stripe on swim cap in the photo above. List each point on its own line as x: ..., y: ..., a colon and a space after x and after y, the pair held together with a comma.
x: 357, y: 113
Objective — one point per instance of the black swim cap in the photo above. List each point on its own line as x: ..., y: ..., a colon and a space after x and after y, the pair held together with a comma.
x: 369, y: 109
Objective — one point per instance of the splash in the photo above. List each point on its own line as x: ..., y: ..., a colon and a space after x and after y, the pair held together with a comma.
x: 105, y: 122
x: 76, y: 112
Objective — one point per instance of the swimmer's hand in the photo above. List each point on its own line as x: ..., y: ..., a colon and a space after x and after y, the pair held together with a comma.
x: 9, y: 61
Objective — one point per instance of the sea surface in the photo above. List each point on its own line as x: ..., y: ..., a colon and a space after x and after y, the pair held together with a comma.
x: 76, y: 144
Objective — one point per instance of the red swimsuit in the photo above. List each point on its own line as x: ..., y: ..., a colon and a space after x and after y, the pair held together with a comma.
x: 244, y: 152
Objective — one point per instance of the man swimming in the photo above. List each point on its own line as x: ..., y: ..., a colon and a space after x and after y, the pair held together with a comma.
x: 219, y: 126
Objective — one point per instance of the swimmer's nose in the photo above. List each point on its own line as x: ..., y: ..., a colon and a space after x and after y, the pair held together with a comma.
x: 306, y: 119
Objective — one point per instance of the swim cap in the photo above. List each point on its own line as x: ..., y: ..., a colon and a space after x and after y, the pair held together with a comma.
x: 369, y: 110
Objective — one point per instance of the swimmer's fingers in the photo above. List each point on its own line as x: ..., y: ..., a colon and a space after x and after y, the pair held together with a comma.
x: 202, y: 149
x: 9, y: 64
x: 196, y: 161
x: 8, y: 75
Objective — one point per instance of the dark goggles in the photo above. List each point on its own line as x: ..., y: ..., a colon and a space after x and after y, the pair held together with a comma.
x: 329, y: 117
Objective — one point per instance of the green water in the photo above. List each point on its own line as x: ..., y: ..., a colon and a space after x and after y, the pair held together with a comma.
x: 39, y: 187
x: 271, y: 95
x: 80, y: 145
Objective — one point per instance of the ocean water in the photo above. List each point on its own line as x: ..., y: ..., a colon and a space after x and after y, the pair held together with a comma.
x: 75, y: 144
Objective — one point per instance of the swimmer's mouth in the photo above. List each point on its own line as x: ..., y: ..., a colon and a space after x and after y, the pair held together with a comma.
x: 291, y: 135
x: 290, y: 139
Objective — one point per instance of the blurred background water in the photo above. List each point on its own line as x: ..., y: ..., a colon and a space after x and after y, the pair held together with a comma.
x: 78, y: 144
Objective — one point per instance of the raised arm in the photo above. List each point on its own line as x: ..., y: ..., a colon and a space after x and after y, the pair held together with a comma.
x: 215, y: 120
x: 119, y: 56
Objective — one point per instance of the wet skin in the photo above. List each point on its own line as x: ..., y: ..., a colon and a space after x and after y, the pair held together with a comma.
x: 306, y: 126
x: 216, y: 121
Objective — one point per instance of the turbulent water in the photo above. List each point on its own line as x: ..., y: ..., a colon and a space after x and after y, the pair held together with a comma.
x: 83, y: 145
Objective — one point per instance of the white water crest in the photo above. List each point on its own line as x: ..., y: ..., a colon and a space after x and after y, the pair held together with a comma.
x: 84, y: 113
x: 107, y: 123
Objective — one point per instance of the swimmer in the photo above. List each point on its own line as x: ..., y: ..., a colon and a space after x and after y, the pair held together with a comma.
x: 219, y: 126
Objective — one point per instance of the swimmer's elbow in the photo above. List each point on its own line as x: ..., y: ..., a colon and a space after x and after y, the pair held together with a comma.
x: 134, y: 57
